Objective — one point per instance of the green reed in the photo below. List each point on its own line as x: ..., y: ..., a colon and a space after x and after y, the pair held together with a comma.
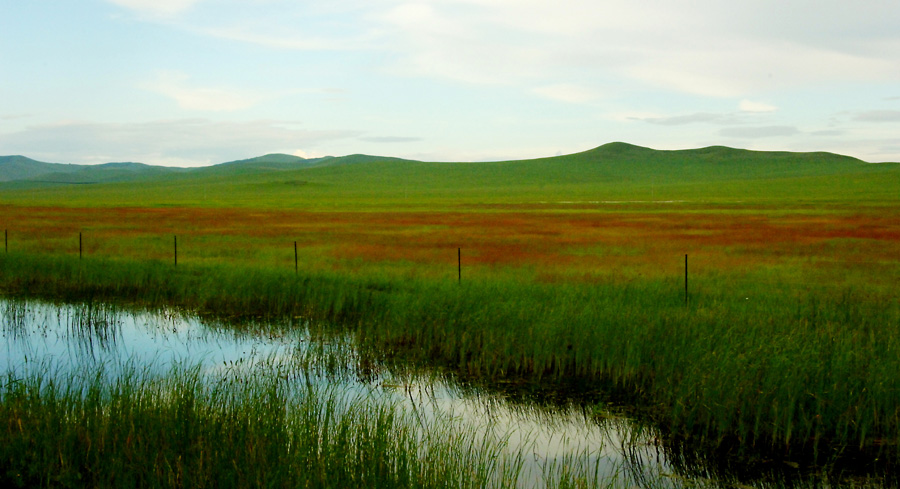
x: 136, y: 429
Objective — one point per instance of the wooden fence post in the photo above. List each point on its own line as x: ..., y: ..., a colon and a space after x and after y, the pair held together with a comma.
x: 176, y: 249
x: 80, y: 247
x: 459, y: 264
x: 296, y: 266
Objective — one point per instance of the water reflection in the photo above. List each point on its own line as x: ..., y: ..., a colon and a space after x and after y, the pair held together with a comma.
x: 92, y: 328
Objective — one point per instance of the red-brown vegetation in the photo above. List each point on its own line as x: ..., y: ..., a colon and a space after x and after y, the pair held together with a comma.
x: 552, y: 242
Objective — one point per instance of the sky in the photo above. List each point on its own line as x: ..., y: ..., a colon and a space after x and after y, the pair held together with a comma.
x: 200, y: 82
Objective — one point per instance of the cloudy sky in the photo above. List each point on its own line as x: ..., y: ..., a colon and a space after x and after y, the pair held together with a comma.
x: 197, y: 82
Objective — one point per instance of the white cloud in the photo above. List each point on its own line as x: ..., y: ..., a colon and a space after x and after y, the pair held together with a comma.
x: 13, y: 117
x: 759, y: 132
x: 631, y: 116
x: 160, y: 8
x: 750, y: 106
x: 307, y: 154
x: 429, y: 42
x: 680, y: 120
x: 700, y: 48
x: 390, y: 139
x: 686, y: 79
x: 567, y: 92
x: 174, y: 85
x: 291, y: 41
x: 706, y: 47
x: 878, y: 116
x: 740, y: 68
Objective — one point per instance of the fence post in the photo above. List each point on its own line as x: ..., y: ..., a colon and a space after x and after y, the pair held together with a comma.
x: 176, y: 249
x: 459, y: 264
x: 80, y: 248
x: 685, y: 279
x: 296, y: 267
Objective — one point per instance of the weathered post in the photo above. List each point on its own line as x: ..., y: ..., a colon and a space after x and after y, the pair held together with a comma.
x: 80, y: 248
x: 459, y: 264
x: 176, y: 250
x: 296, y: 266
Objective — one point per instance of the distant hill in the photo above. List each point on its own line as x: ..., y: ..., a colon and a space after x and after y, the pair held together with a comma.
x: 18, y: 168
x: 269, y: 162
x: 21, y: 168
x: 614, y: 172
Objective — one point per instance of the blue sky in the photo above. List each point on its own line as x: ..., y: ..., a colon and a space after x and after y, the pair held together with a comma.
x: 198, y: 82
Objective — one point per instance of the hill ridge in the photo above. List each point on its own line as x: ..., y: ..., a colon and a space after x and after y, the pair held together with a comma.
x: 613, y: 171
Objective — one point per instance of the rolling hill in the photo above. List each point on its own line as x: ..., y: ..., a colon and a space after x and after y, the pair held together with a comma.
x: 18, y: 167
x: 612, y: 172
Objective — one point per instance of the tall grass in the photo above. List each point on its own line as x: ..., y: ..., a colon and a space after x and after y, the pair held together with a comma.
x: 764, y: 366
x: 90, y: 429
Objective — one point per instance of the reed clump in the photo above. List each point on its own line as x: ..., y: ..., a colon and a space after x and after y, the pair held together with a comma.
x: 136, y: 429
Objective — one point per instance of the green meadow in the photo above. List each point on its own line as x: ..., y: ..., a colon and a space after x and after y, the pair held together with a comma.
x: 785, y: 338
x: 612, y: 172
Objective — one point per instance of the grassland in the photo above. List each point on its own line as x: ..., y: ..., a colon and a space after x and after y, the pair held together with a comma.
x: 572, y: 267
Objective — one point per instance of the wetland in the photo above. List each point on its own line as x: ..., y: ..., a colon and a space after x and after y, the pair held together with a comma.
x: 518, y: 433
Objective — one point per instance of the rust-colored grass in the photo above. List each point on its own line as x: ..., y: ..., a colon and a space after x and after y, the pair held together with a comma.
x: 545, y: 243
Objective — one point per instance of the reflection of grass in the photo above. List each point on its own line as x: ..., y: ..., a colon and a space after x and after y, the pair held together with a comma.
x: 751, y: 358
x: 182, y: 430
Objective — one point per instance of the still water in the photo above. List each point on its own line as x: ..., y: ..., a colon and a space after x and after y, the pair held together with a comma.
x: 41, y: 336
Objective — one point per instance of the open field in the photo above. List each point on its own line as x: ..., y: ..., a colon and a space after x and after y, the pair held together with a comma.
x: 789, y: 340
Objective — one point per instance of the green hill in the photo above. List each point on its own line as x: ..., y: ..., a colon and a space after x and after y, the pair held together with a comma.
x: 269, y: 162
x: 18, y: 167
x: 613, y: 172
x: 26, y: 170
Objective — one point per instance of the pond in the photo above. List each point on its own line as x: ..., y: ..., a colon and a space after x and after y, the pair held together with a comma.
x: 42, y: 336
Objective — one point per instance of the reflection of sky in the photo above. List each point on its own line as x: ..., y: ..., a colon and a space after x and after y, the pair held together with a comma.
x: 44, y: 337
x: 567, y: 437
x: 40, y: 335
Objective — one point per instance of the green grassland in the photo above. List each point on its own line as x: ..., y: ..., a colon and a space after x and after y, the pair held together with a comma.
x: 612, y: 172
